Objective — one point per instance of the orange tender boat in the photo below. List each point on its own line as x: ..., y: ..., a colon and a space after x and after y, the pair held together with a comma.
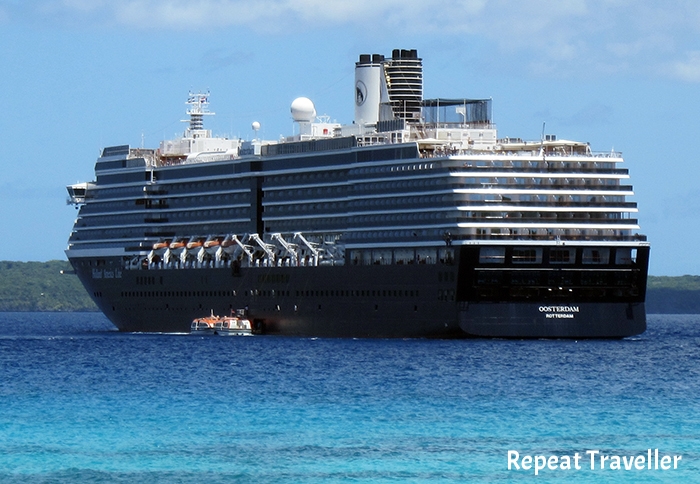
x: 224, y: 326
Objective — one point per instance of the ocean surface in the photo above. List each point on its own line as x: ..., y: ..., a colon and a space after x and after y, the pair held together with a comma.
x: 81, y: 402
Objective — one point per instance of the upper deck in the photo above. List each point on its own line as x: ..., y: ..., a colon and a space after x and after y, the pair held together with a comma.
x: 408, y: 172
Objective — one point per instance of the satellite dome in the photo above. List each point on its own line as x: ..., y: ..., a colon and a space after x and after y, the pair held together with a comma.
x: 303, y: 110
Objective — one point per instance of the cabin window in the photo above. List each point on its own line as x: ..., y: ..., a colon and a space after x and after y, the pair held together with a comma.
x: 626, y: 256
x: 492, y: 255
x: 562, y: 256
x: 404, y: 256
x: 596, y: 256
x: 447, y: 256
x: 381, y: 257
x: 526, y: 255
x: 426, y: 256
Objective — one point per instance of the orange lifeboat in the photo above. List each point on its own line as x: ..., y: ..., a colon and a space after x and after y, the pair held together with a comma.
x: 178, y: 244
x: 212, y: 243
x: 204, y: 325
x: 194, y: 243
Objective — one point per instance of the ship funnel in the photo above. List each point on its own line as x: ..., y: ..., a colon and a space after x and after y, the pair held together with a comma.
x: 388, y: 89
x: 404, y: 82
x: 368, y: 85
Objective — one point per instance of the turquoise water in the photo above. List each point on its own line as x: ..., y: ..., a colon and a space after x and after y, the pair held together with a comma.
x: 80, y: 402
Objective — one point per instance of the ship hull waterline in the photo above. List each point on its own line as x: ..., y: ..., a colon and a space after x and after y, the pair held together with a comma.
x: 346, y: 301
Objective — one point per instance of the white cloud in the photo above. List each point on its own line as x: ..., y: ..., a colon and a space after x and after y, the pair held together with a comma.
x: 272, y: 14
x: 265, y: 15
x: 687, y: 69
x: 546, y: 37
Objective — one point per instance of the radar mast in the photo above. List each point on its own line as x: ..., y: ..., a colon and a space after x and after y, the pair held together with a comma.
x: 198, y: 103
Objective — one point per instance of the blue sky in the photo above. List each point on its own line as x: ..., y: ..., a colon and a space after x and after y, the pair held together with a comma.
x: 77, y: 75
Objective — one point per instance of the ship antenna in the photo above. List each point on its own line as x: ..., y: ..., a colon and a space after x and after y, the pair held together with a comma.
x: 542, y: 140
x: 198, y: 103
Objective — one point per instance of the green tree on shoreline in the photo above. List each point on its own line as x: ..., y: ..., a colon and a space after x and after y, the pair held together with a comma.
x: 41, y: 286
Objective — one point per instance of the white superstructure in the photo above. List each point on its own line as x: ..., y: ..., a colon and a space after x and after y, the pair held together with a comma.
x: 198, y: 141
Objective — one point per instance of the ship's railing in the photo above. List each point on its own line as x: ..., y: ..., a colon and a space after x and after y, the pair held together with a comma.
x: 372, y: 140
x: 603, y: 154
x: 534, y: 152
x: 552, y: 237
x: 441, y: 149
x: 456, y: 125
x: 209, y: 157
x: 147, y: 154
x: 402, y: 256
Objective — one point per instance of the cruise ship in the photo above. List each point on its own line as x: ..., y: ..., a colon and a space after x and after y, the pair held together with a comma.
x: 415, y: 220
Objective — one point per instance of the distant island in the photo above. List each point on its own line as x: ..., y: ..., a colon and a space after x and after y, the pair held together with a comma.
x: 673, y: 295
x: 51, y: 286
x: 42, y: 286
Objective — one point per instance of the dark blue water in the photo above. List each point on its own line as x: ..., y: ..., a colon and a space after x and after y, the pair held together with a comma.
x: 80, y: 402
